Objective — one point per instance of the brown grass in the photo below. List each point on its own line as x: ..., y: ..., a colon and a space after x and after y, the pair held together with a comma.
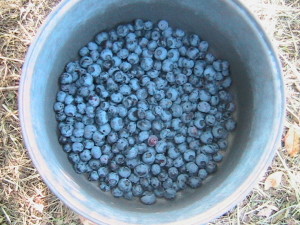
x: 25, y: 199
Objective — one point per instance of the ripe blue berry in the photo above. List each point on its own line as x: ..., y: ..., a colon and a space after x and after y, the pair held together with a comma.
x: 148, y: 158
x: 116, y: 192
x: 148, y: 198
x: 194, y: 182
x: 147, y: 64
x: 230, y: 125
x: 160, y: 53
x: 143, y: 136
x: 189, y: 155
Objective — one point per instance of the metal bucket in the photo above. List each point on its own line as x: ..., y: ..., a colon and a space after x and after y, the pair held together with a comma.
x: 234, y: 35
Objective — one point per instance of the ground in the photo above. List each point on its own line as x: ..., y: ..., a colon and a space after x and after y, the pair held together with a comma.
x: 25, y: 199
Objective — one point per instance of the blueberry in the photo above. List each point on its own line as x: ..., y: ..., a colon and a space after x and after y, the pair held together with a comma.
x: 157, y: 65
x: 173, y: 172
x: 133, y: 58
x: 132, y: 163
x: 125, y: 89
x: 118, y: 76
x: 104, y: 159
x: 96, y: 152
x: 203, y: 46
x: 66, y: 78
x: 134, y: 178
x: 155, y: 183
x: 104, y: 187
x: 148, y: 25
x: 66, y: 130
x: 209, y: 73
x: 106, y: 54
x: 162, y: 25
x: 178, y: 162
x: 117, y: 193
x: 204, y: 107
x: 202, y: 174
x: 117, y: 123
x: 67, y: 148
x: 103, y: 172
x: 73, y: 157
x: 148, y: 198
x: 145, y: 182
x: 194, y: 182
x: 132, y: 45
x: 137, y: 190
x: 86, y: 80
x: 147, y: 63
x: 92, y: 46
x: 112, y: 111
x: 148, y: 158
x: 179, y: 138
x: 80, y: 167
x: 161, y: 146
x: 170, y: 193
x: 168, y: 183
x: 97, y: 137
x: 187, y: 63
x: 77, y: 147
x: 192, y: 53
x: 63, y: 140
x: 58, y: 107
x: 85, y: 62
x: 155, y: 169
x: 139, y: 24
x: 217, y: 157
x: 222, y: 143
x: 124, y: 172
x: 101, y: 37
x: 122, y: 30
x: 173, y: 153
x: 167, y: 65
x: 131, y: 127
x: 211, y: 167
x: 225, y: 65
x: 192, y: 168
x: 160, y: 159
x: 230, y: 107
x: 160, y: 53
x: 181, y: 79
x: 128, y: 195
x: 230, y: 125
x: 142, y: 94
x: 124, y: 185
x: 116, y: 97
x: 170, y: 77
x: 176, y: 110
x: 189, y: 155
x: 152, y: 45
x: 84, y: 51
x: 60, y: 96
x: 131, y: 153
x: 143, y: 136
x: 218, y: 131
x: 112, y: 179
x: 206, y: 137
x: 141, y: 170
x: 93, y: 176
x: 85, y: 155
x: 146, y: 53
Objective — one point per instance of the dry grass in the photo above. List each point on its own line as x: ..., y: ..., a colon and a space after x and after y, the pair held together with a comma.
x: 24, y: 198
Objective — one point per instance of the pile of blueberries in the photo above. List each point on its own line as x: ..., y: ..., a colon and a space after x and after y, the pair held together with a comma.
x: 145, y: 111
